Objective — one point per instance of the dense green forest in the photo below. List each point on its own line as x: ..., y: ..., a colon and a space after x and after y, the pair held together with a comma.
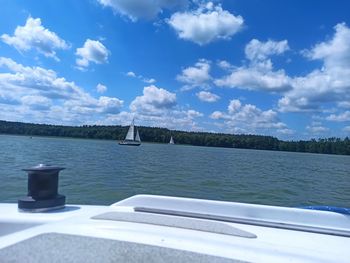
x: 162, y: 135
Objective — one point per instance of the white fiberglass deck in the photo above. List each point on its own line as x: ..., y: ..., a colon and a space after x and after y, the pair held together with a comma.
x: 167, y: 229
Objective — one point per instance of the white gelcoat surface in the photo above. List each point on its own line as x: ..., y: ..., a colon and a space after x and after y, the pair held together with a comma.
x: 271, y: 244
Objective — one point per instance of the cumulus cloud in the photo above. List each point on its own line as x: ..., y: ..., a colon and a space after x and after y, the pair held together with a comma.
x: 196, y: 76
x: 260, y: 77
x: 327, y: 86
x: 36, y: 102
x: 92, y: 51
x: 344, y: 104
x: 257, y: 51
x: 132, y: 74
x: 207, y: 96
x: 193, y: 114
x: 179, y: 119
x: 101, y: 88
x: 345, y: 116
x: 108, y: 105
x: 216, y: 115
x: 247, y: 118
x: 336, y: 51
x: 149, y: 81
x: 142, y: 9
x: 158, y: 107
x: 330, y: 83
x: 259, y: 74
x: 153, y: 101
x: 33, y: 35
x: 286, y: 131
x: 316, y: 129
x: 40, y: 95
x: 223, y: 64
x: 206, y: 24
x: 234, y: 106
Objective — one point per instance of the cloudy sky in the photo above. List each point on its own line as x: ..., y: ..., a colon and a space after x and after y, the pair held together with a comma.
x: 279, y: 68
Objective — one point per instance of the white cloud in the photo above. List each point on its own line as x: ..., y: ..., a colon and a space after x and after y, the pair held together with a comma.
x: 149, y: 81
x: 207, y: 96
x: 178, y: 119
x: 216, y: 115
x: 259, y: 74
x: 344, y: 104
x: 36, y: 102
x: 345, y: 116
x: 34, y: 36
x: 142, y: 9
x: 257, y: 51
x: 223, y: 64
x: 109, y: 105
x: 316, y: 129
x: 196, y: 76
x: 328, y: 86
x: 346, y: 129
x: 153, y: 101
x: 122, y: 118
x: 101, y: 88
x: 191, y: 114
x: 132, y: 74
x: 234, y: 106
x: 285, y: 131
x: 335, y: 52
x: 247, y: 118
x: 331, y: 83
x: 256, y: 78
x: 39, y: 95
x: 206, y: 24
x: 157, y: 107
x: 92, y: 51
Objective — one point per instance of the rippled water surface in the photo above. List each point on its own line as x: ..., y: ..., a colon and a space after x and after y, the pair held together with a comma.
x: 102, y: 172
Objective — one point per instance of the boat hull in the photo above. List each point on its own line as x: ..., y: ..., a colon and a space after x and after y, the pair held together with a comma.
x: 129, y: 143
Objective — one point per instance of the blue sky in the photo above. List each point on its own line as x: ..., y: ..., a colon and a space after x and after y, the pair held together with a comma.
x: 279, y: 68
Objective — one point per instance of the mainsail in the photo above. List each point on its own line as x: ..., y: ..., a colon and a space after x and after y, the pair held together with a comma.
x: 130, y: 134
x: 171, y: 140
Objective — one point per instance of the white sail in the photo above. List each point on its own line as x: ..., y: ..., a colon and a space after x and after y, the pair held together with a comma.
x: 137, y: 137
x: 130, y: 138
x: 171, y: 140
x: 130, y: 134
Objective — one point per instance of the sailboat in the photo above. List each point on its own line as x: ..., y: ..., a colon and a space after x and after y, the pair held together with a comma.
x: 171, y: 140
x: 131, y: 139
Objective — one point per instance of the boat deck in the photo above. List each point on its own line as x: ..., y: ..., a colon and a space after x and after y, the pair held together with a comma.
x: 147, y: 228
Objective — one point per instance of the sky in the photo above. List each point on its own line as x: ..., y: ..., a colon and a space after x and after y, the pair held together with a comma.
x: 267, y: 67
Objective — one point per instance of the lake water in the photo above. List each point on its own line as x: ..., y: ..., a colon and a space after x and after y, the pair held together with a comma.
x: 102, y: 172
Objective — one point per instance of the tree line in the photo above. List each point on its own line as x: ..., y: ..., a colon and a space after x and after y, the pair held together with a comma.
x: 162, y: 135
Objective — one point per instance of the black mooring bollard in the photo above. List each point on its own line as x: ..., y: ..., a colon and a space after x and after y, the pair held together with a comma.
x: 42, y: 190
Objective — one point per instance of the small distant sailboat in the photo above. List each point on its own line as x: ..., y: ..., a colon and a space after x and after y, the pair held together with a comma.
x: 171, y: 140
x: 131, y: 139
